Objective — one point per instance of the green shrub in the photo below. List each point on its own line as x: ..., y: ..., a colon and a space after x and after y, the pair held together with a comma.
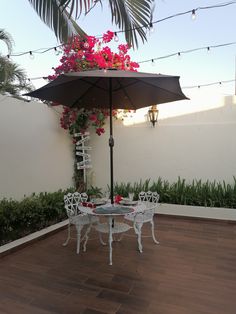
x: 33, y: 213
x: 197, y: 193
x: 19, y: 218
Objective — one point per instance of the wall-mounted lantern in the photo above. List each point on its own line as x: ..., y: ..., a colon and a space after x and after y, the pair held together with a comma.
x: 153, y: 114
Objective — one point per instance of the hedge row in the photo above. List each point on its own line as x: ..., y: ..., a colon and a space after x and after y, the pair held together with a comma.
x: 33, y: 213
x: 196, y: 193
x: 20, y: 218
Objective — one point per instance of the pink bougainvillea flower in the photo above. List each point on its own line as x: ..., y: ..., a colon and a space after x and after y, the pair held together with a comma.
x: 90, y: 53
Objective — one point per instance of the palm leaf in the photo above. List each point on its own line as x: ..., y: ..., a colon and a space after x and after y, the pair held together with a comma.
x: 131, y: 16
x: 57, y: 18
x: 7, y: 39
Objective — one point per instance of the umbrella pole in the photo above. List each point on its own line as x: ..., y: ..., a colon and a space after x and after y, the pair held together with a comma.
x: 111, y: 140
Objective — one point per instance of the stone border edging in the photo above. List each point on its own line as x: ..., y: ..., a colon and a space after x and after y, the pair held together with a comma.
x: 22, y: 242
x: 228, y: 214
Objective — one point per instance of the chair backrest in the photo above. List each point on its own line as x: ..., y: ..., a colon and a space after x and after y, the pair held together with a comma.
x: 150, y: 199
x: 72, y: 202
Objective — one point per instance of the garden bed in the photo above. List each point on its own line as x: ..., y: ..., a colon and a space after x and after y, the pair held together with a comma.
x: 35, y: 236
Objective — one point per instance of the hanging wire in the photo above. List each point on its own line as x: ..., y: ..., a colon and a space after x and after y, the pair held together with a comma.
x: 179, y: 53
x: 44, y: 50
x: 208, y: 84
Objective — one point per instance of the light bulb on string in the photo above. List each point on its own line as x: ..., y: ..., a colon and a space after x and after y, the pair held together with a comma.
x: 56, y: 51
x: 193, y: 15
x: 151, y: 28
x: 127, y: 66
x: 31, y: 55
x: 116, y: 38
x: 86, y: 45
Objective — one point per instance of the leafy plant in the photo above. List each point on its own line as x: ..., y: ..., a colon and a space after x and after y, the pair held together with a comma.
x: 94, y: 192
x: 196, y: 193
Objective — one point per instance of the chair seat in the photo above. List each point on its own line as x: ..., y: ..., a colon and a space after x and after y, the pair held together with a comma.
x: 139, y: 218
x: 84, y: 219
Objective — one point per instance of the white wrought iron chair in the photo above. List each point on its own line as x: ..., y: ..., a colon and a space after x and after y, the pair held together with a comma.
x: 72, y: 202
x: 150, y: 201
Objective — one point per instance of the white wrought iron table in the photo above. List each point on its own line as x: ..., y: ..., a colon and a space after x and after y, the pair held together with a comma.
x: 111, y: 212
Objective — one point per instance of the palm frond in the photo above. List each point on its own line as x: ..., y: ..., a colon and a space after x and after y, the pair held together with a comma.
x: 131, y: 16
x: 13, y: 79
x: 77, y: 6
x: 57, y: 18
x: 7, y: 39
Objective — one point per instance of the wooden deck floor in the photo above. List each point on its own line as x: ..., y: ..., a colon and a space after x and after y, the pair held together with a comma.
x: 192, y: 271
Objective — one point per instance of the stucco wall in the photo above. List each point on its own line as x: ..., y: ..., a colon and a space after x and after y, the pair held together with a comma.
x: 36, y: 154
x: 193, y: 139
x: 198, y: 143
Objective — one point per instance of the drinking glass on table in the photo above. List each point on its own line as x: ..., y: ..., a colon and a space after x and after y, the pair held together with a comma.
x: 131, y: 196
x: 106, y: 195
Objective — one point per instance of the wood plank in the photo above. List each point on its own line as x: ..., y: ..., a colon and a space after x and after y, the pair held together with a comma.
x: 192, y: 270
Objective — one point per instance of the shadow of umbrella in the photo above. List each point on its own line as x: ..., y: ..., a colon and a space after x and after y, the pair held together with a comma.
x: 113, y: 89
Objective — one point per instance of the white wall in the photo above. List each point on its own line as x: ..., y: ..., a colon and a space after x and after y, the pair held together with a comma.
x: 35, y: 153
x: 197, y: 143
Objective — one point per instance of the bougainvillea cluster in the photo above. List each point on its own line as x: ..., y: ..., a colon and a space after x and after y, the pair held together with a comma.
x: 90, y: 53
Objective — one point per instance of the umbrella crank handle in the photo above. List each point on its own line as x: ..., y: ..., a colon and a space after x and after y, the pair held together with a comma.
x: 111, y: 141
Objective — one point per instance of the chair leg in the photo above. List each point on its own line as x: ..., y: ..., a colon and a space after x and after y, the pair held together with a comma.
x: 79, y: 229
x: 86, y: 236
x: 153, y: 234
x: 100, y: 239
x: 68, y: 236
x: 138, y: 231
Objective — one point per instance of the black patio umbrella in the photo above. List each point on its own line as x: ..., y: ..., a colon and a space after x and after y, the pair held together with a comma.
x: 113, y: 89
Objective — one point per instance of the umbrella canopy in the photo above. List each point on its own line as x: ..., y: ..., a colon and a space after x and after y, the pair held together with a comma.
x: 130, y: 90
x: 113, y: 89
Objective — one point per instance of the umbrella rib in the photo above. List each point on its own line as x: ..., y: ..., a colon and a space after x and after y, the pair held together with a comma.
x: 124, y: 90
x: 144, y: 82
x: 92, y: 85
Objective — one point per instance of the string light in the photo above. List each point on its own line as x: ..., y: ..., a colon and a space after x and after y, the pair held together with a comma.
x: 86, y: 45
x: 208, y: 84
x: 180, y: 53
x: 193, y: 16
x: 219, y: 5
x: 31, y: 55
x: 116, y: 38
x: 151, y: 28
x: 56, y: 51
x: 147, y: 26
x: 183, y: 87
